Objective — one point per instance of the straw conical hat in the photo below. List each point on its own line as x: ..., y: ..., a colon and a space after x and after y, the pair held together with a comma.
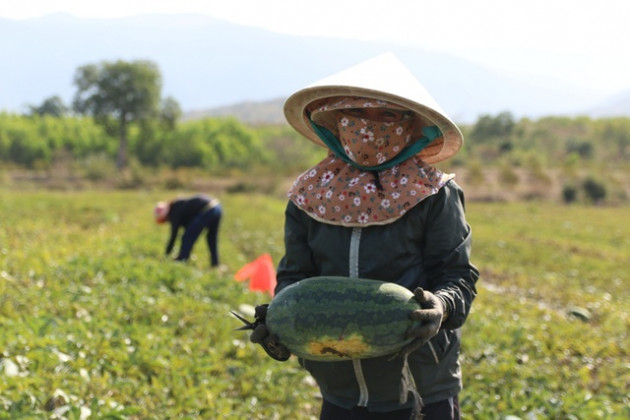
x: 386, y: 78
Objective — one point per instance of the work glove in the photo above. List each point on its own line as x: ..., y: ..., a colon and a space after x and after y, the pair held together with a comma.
x: 260, y: 335
x: 431, y: 315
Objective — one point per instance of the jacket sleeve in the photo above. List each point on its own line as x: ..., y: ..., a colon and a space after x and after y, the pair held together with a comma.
x: 447, y: 250
x: 297, y: 263
x: 171, y: 239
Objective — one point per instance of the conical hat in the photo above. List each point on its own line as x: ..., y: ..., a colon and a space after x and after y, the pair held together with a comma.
x: 386, y: 78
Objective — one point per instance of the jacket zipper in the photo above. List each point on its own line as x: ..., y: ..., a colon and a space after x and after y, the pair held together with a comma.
x: 355, y: 239
x: 353, y: 271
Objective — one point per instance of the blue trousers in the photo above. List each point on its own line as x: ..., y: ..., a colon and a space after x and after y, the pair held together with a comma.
x: 207, y: 220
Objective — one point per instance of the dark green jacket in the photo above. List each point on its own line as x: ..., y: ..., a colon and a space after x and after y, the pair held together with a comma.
x: 428, y: 247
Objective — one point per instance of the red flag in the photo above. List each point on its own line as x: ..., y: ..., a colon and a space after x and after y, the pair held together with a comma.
x: 260, y: 272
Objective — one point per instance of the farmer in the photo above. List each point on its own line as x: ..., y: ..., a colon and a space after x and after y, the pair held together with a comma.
x: 376, y: 208
x: 194, y: 214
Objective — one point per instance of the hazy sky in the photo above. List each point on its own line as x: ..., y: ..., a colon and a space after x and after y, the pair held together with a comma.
x: 577, y: 41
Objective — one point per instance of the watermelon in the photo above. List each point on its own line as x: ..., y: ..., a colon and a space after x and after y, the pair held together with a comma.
x: 341, y: 318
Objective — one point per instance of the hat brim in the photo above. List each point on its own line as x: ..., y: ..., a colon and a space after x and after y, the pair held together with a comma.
x: 415, y: 98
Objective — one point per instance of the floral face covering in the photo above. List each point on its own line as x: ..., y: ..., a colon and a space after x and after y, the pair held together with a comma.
x: 371, y: 143
x: 341, y: 193
x: 337, y: 193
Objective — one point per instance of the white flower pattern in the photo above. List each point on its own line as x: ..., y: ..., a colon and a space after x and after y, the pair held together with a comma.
x: 370, y: 188
x: 327, y: 177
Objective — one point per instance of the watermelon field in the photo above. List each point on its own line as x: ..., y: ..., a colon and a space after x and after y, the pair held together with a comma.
x: 95, y: 322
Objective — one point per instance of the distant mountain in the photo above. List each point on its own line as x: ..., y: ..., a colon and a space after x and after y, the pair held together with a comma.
x: 260, y: 112
x: 616, y: 106
x: 271, y: 112
x: 210, y: 64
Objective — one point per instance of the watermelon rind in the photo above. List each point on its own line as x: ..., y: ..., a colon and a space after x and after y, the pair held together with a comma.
x: 335, y: 318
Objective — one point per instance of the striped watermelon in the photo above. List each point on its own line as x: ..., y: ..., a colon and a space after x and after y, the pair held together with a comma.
x: 341, y: 318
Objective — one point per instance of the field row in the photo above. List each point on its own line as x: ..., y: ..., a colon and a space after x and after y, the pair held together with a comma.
x: 95, y: 319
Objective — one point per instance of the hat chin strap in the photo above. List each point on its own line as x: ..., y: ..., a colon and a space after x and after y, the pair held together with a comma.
x: 429, y: 134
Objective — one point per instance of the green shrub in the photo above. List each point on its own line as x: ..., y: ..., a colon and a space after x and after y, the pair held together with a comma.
x: 507, y: 175
x: 594, y: 190
x: 569, y: 193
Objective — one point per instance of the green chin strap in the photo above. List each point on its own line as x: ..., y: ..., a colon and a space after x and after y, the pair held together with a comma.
x: 429, y: 134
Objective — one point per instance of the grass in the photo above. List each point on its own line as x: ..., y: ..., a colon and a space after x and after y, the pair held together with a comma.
x: 549, y: 331
x: 95, y: 322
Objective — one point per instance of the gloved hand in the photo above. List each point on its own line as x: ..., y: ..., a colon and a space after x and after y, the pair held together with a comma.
x: 431, y: 316
x: 269, y: 342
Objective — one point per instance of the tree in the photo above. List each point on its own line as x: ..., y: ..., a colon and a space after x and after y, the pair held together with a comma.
x: 53, y: 106
x: 170, y: 113
x: 117, y: 94
x: 492, y: 128
x: 594, y: 189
